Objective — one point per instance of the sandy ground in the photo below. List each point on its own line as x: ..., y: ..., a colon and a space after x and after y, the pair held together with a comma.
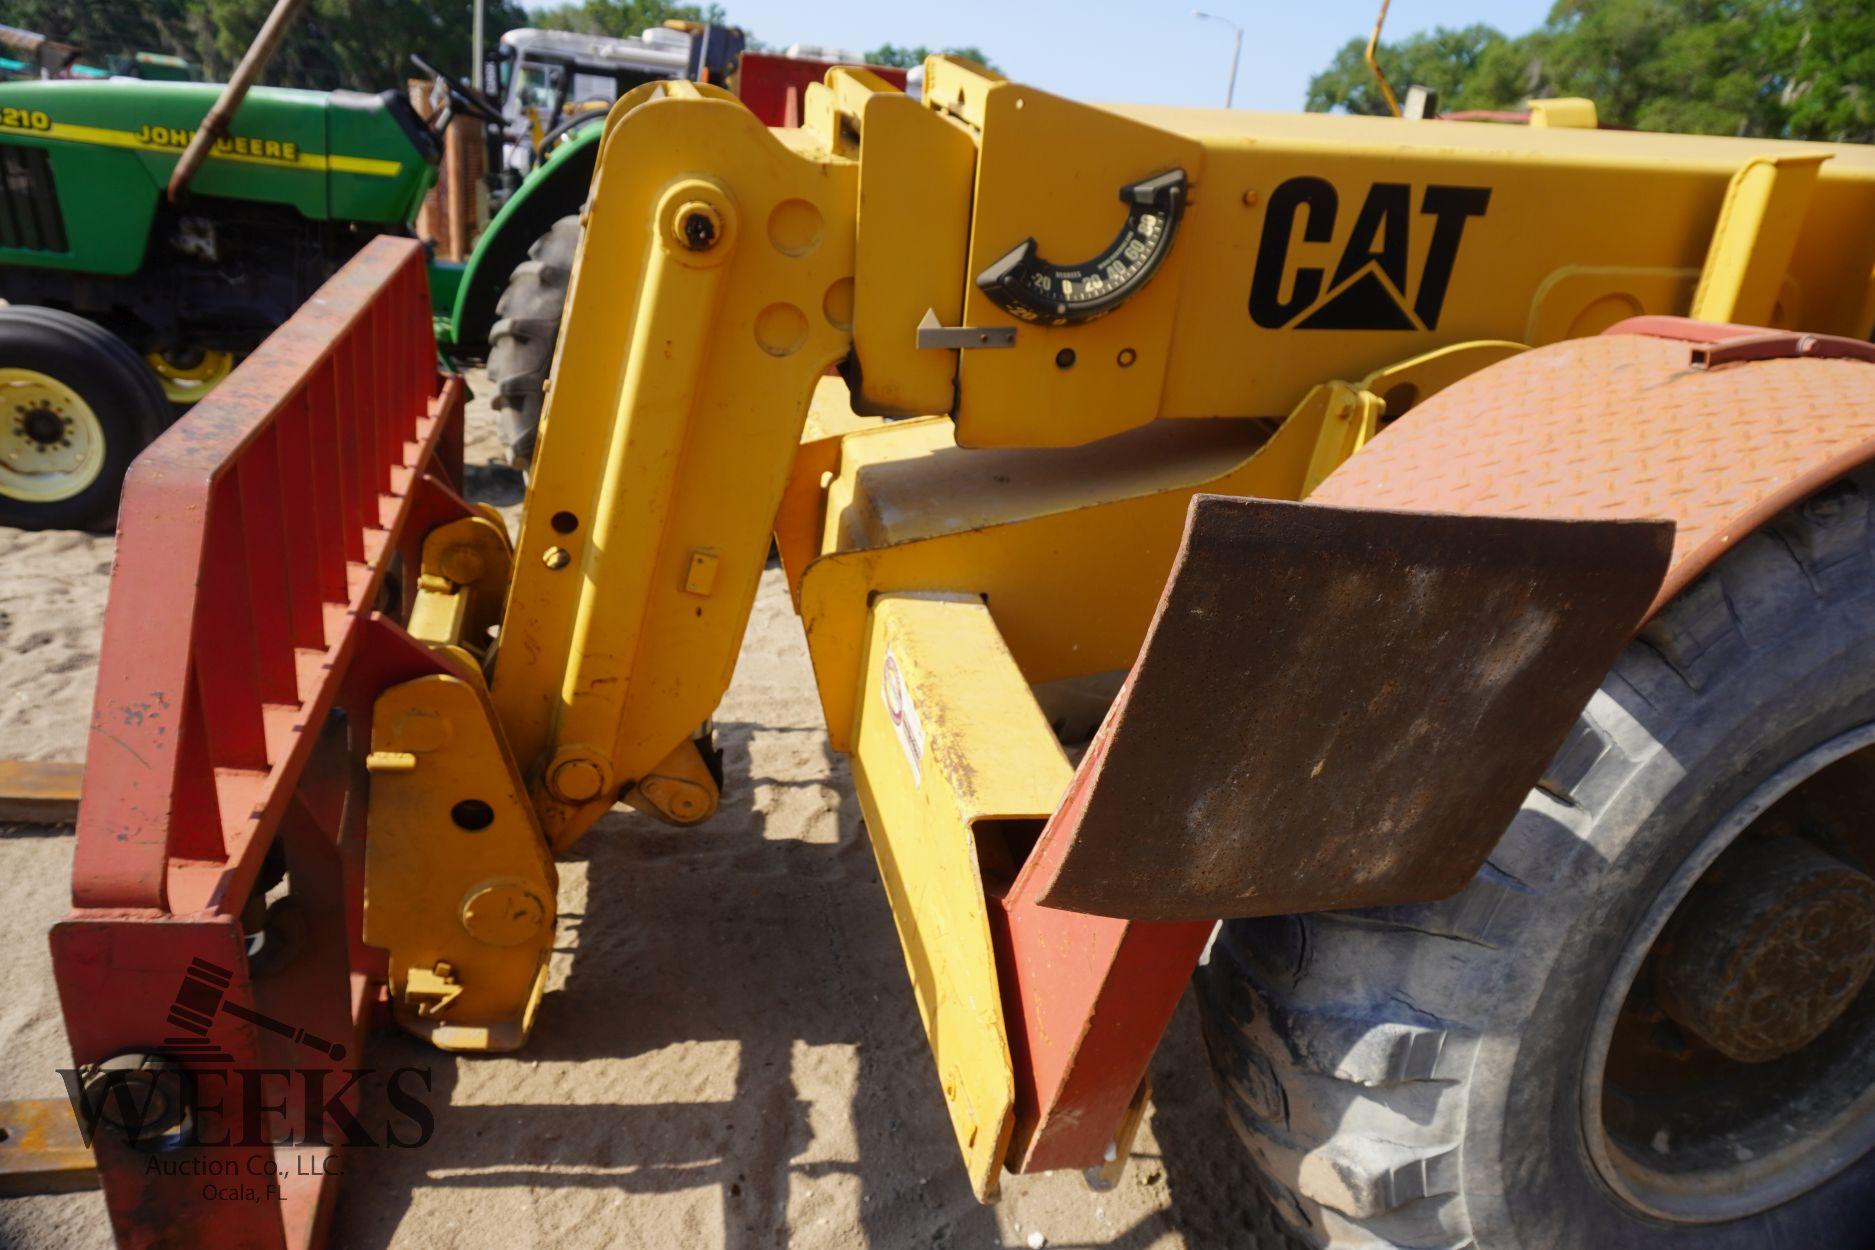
x: 728, y: 1053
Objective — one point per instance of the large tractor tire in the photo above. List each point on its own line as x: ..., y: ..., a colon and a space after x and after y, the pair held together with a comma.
x: 76, y: 406
x: 1645, y: 1023
x: 520, y: 344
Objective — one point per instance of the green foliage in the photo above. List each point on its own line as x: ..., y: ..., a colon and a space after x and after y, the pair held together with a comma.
x: 906, y: 58
x: 1800, y: 69
x: 620, y: 18
x: 360, y: 44
x: 1825, y: 52
x: 1441, y: 59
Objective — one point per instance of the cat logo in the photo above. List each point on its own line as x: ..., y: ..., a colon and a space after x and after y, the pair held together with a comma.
x: 1369, y: 288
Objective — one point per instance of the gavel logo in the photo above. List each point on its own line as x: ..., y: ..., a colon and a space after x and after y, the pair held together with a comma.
x: 202, y: 995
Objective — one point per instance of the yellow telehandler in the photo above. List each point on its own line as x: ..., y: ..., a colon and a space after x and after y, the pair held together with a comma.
x: 1467, y: 525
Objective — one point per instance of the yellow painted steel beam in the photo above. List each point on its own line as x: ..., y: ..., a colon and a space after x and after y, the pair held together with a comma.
x: 951, y: 756
x: 1765, y: 207
x: 1071, y: 547
x: 1316, y: 247
x: 914, y: 236
x: 703, y: 311
x: 459, y: 882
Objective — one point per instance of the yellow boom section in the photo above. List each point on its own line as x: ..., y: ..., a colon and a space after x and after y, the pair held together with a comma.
x: 1237, y: 260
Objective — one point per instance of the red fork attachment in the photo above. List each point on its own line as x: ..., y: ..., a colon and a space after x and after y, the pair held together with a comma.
x: 217, y: 882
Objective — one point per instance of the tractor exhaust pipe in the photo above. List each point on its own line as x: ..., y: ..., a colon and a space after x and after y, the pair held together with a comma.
x: 220, y: 117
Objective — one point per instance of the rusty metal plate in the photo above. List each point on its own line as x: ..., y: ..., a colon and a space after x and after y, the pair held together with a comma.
x: 40, y: 792
x: 1343, y: 707
x: 41, y: 1149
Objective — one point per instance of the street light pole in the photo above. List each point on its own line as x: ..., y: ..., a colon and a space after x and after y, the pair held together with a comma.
x: 475, y: 49
x: 1236, y: 50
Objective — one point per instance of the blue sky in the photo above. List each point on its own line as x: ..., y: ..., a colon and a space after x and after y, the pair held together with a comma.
x: 1146, y: 53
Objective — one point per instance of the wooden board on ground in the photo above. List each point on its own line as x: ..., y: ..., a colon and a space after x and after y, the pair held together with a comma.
x: 40, y: 792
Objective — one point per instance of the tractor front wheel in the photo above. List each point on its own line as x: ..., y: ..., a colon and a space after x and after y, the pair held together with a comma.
x: 1647, y: 1022
x: 188, y: 374
x: 76, y: 406
x: 527, y: 324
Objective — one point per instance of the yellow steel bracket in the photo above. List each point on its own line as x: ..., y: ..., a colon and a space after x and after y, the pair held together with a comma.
x: 1755, y: 239
x: 459, y: 883
x: 1350, y: 413
x: 684, y: 787
x: 954, y: 766
x: 460, y: 586
x: 1409, y: 382
x: 914, y: 241
x: 1074, y: 560
x: 1051, y: 169
x: 714, y: 286
x: 1349, y: 417
x: 1072, y: 547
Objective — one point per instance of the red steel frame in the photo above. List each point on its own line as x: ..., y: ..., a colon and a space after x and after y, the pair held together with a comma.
x: 242, y: 651
x: 772, y: 86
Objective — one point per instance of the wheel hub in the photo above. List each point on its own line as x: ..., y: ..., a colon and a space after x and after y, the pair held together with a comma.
x: 43, y: 427
x: 51, y: 442
x: 188, y: 374
x: 1769, y: 950
x: 1731, y: 1065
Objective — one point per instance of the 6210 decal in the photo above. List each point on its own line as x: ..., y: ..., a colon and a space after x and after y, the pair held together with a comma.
x: 24, y: 119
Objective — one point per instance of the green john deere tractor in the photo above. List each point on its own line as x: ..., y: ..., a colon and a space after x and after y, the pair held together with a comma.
x: 126, y: 304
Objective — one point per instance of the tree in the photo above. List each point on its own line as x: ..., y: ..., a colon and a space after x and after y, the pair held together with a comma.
x: 1685, y: 65
x: 1821, y: 56
x: 359, y: 44
x: 907, y: 58
x: 1802, y: 69
x: 1442, y: 59
x: 622, y: 18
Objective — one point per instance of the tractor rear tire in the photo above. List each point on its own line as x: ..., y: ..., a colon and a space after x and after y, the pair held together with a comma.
x: 76, y: 406
x: 1476, y: 1071
x: 521, y: 342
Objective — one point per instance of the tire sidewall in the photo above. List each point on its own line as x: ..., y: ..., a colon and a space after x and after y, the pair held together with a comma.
x: 117, y: 385
x: 1542, y: 1188
x: 523, y: 338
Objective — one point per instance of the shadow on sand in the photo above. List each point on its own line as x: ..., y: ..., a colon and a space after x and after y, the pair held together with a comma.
x: 721, y: 935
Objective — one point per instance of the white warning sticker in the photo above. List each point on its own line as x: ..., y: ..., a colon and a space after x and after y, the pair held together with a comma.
x: 899, y: 707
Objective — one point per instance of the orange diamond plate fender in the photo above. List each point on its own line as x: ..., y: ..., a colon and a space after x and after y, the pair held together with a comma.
x: 1627, y: 425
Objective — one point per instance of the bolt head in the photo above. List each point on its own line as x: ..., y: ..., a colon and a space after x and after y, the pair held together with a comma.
x: 463, y: 564
x: 577, y: 779
x: 699, y: 226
